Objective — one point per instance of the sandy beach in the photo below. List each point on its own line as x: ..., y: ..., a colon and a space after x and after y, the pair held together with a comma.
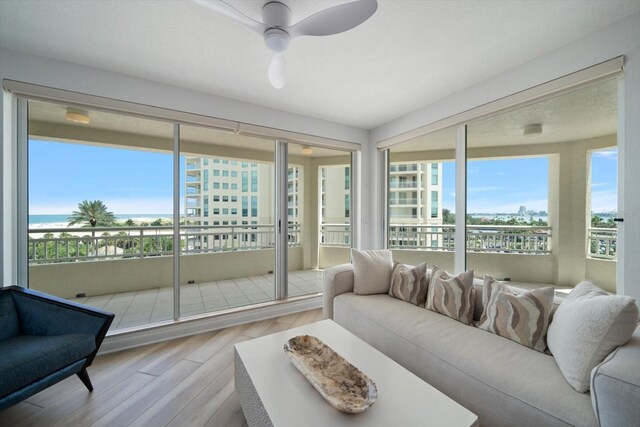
x: 39, y: 229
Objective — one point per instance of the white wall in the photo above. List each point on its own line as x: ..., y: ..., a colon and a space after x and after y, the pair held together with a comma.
x: 622, y: 38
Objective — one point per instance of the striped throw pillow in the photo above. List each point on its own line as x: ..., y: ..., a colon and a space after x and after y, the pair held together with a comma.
x: 523, y: 318
x: 452, y: 296
x: 409, y: 283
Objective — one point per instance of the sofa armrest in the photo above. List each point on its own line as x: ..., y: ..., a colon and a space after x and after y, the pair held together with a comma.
x: 43, y: 314
x: 335, y: 281
x: 615, y: 385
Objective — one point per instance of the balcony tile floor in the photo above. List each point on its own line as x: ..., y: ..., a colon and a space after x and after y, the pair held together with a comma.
x: 155, y: 305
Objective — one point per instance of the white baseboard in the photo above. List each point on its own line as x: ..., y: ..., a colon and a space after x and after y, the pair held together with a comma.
x: 136, y: 337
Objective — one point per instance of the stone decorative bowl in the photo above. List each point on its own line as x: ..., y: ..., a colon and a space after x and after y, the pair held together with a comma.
x: 341, y: 384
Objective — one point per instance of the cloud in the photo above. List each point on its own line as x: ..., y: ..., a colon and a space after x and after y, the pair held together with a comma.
x: 604, y: 201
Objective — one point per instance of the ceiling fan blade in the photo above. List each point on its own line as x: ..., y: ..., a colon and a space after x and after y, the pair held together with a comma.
x: 277, y: 72
x: 225, y: 9
x: 335, y: 20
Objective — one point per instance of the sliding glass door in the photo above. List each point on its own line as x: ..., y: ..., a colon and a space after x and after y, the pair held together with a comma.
x: 156, y: 220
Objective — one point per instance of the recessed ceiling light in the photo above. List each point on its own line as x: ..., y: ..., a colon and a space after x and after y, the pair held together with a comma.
x: 307, y: 151
x: 533, y: 129
x: 78, y: 116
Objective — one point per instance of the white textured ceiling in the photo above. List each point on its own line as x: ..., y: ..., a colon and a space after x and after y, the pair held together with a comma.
x: 409, y: 54
x: 585, y: 113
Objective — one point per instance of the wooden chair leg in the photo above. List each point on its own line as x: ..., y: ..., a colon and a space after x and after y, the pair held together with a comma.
x: 84, y: 377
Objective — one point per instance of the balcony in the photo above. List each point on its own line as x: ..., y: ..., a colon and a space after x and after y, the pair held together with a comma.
x: 128, y: 270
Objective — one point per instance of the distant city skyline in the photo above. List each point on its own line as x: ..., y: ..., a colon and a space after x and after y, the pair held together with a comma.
x: 140, y: 182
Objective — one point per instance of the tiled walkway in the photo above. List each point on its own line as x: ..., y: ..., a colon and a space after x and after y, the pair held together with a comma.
x: 155, y: 305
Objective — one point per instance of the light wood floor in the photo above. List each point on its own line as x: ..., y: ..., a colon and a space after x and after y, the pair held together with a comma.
x: 182, y: 382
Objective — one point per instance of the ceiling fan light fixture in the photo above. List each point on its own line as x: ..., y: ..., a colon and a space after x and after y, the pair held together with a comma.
x: 77, y: 115
x: 277, y: 40
x: 277, y: 71
x: 532, y: 129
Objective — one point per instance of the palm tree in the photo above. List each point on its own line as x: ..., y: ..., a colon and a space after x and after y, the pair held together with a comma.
x: 94, y: 213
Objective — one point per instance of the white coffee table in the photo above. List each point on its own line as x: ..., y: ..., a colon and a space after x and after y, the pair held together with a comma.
x: 273, y: 393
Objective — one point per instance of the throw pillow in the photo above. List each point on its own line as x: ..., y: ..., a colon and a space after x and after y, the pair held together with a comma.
x: 452, y: 296
x: 409, y: 283
x: 589, y: 324
x: 371, y: 271
x: 523, y: 318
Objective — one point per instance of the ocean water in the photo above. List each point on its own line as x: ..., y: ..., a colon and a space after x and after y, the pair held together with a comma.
x: 46, y: 219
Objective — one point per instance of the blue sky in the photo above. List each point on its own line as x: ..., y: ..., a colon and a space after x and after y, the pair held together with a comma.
x: 502, y: 186
x: 127, y: 181
x: 140, y: 182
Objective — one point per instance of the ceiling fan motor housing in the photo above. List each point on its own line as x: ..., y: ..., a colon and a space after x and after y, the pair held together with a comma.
x: 276, y: 14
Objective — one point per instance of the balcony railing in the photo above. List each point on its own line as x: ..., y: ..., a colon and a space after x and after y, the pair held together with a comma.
x: 335, y: 235
x: 405, y: 168
x: 496, y: 239
x: 90, y: 244
x: 407, y: 201
x: 403, y: 184
x: 602, y: 243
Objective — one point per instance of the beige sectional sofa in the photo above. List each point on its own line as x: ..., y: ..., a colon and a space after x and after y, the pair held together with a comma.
x: 504, y: 383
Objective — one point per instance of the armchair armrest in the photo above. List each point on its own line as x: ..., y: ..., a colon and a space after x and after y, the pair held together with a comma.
x: 43, y: 314
x: 615, y: 385
x: 335, y: 281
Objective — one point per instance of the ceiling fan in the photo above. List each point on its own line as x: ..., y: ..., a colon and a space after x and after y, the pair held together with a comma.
x: 277, y: 31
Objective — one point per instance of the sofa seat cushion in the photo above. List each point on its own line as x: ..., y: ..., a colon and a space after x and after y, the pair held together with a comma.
x: 26, y: 358
x: 480, y: 370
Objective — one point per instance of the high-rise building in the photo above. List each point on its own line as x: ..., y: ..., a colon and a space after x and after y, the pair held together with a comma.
x: 227, y: 193
x: 335, y: 204
x: 415, y: 201
x: 415, y: 193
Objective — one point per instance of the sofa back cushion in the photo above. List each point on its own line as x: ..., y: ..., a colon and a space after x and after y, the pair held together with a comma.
x: 522, y: 318
x: 410, y: 283
x: 371, y: 271
x: 588, y: 325
x: 9, y: 324
x: 452, y: 296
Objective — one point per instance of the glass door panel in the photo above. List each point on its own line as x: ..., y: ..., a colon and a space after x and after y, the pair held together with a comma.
x: 542, y: 193
x: 319, y: 214
x: 100, y: 211
x: 421, y: 200
x: 226, y: 220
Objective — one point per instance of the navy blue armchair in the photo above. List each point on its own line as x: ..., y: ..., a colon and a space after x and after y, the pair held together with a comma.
x: 43, y: 340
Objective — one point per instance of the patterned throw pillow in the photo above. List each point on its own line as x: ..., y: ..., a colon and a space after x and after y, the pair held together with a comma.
x: 522, y: 318
x: 452, y: 296
x: 409, y: 283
